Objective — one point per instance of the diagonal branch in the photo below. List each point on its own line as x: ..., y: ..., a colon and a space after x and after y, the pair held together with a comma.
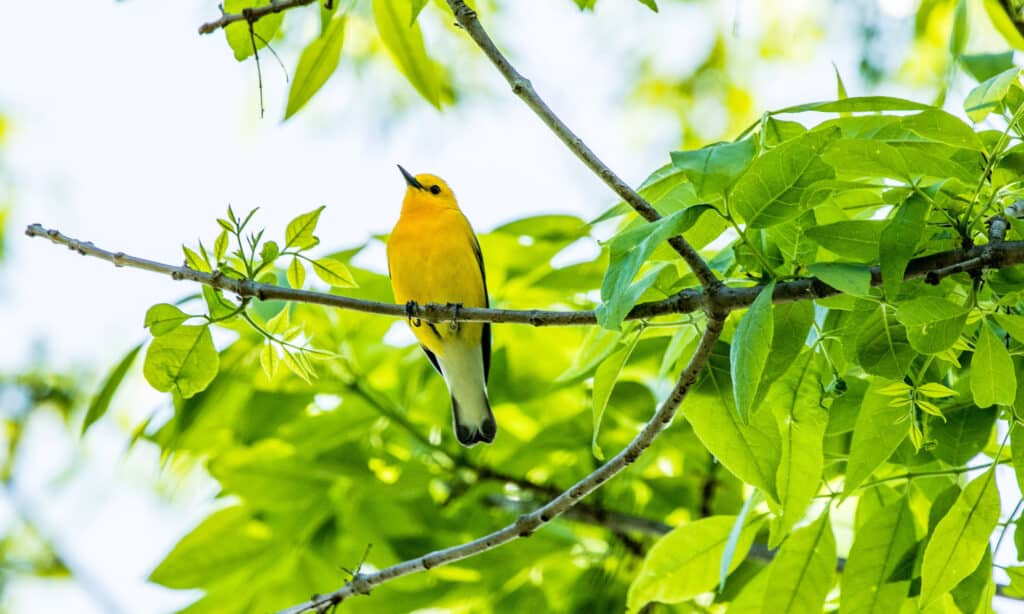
x: 252, y: 15
x: 933, y: 267
x: 522, y: 87
x: 528, y: 523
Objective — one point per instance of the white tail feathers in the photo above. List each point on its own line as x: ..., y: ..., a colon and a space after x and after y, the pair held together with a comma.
x: 463, y: 369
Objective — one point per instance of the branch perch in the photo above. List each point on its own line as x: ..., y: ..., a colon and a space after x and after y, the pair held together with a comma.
x: 726, y: 298
x: 251, y: 15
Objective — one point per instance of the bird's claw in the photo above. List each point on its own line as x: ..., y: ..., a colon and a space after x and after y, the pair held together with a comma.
x: 411, y: 308
x: 453, y: 326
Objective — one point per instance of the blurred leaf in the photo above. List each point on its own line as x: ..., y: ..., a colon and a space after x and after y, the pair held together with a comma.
x: 651, y: 4
x: 857, y: 104
x: 984, y: 66
x: 405, y: 43
x: 101, y: 402
x: 1005, y: 22
x: 748, y: 353
x: 960, y: 539
x: 183, y: 360
x: 316, y: 65
x: 770, y: 190
x: 417, y: 6
x: 684, y: 563
x: 958, y: 38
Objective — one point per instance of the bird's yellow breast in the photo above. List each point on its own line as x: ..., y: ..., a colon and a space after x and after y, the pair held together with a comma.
x: 431, y: 259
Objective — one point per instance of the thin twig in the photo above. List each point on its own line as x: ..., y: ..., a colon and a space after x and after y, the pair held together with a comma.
x: 522, y: 87
x: 526, y: 524
x: 728, y: 298
x: 255, y: 14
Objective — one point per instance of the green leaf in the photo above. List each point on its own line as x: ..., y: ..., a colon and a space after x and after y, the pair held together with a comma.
x: 750, y: 451
x: 237, y: 33
x: 984, y: 66
x: 651, y: 4
x: 977, y: 588
x: 316, y: 64
x: 225, y: 542
x: 879, y: 545
x: 857, y: 104
x: 628, y: 251
x: 933, y: 324
x: 882, y: 345
x: 163, y: 318
x: 988, y: 96
x: 713, y: 169
x: 748, y: 353
x: 993, y: 380
x: 772, y: 188
x: 605, y: 378
x: 879, y: 429
x: 405, y: 43
x: 296, y: 273
x: 804, y: 570
x: 219, y: 307
x: 729, y: 555
x: 960, y: 539
x: 299, y: 233
x: 852, y: 279
x: 194, y: 261
x: 269, y: 360
x: 269, y: 251
x: 857, y: 239
x: 791, y: 323
x: 183, y: 360
x: 796, y: 401
x: 334, y: 272
x: 220, y: 246
x: 684, y: 563
x: 963, y: 434
x: 101, y: 402
x: 1013, y: 325
x: 899, y: 242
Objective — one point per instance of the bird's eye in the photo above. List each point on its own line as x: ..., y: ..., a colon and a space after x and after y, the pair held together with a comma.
x: 435, y: 189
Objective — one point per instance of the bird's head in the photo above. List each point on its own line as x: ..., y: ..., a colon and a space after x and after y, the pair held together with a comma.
x: 427, y: 190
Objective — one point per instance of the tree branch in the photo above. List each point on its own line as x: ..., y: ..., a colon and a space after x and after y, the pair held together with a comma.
x: 727, y: 298
x: 522, y: 88
x: 251, y: 15
x: 528, y: 523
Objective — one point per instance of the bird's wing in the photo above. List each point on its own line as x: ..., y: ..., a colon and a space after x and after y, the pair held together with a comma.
x: 486, y: 333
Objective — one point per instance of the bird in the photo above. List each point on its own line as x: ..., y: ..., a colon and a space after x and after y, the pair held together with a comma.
x: 434, y: 257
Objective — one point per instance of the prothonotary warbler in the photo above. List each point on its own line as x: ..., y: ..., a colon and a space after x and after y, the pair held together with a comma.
x: 434, y: 257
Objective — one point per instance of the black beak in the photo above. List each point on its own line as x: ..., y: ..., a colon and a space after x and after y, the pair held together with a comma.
x: 410, y: 179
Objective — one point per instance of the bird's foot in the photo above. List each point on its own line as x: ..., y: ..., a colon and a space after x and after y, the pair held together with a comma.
x: 411, y: 309
x: 453, y: 326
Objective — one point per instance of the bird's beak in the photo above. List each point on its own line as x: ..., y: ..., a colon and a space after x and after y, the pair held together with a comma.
x: 410, y: 179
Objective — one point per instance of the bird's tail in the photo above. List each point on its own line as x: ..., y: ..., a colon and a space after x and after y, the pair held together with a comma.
x: 463, y: 370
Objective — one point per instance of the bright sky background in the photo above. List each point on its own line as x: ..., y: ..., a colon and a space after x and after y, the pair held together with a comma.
x: 132, y: 131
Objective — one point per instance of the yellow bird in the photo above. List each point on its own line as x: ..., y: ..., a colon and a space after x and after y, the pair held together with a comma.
x: 434, y: 257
